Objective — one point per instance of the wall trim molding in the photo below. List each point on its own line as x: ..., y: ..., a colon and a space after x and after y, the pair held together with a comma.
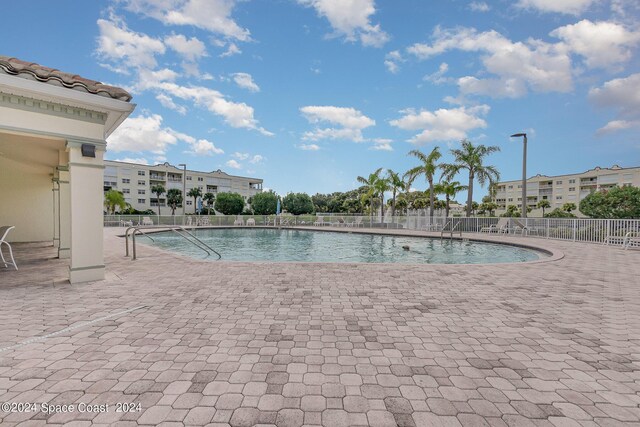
x: 51, y: 108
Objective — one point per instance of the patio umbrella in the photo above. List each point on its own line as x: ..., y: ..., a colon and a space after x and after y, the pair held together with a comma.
x: 278, y: 208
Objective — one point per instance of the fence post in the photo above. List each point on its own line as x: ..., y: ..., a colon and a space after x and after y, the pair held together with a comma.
x: 575, y: 224
x: 547, y: 227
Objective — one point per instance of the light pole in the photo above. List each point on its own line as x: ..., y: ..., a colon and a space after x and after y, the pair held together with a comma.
x: 524, y: 173
x: 184, y: 187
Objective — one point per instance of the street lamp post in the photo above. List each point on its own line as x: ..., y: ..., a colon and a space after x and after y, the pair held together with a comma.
x: 524, y: 173
x: 184, y: 187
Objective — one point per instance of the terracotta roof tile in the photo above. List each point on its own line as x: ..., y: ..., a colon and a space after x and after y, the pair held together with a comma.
x: 33, y: 71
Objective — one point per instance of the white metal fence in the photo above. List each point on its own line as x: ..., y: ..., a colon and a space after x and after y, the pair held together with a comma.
x: 609, y: 231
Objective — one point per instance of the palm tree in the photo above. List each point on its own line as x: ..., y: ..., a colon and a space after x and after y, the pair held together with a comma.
x: 195, y: 192
x: 428, y: 168
x: 543, y: 204
x: 382, y: 185
x: 395, y: 183
x: 449, y: 189
x: 471, y: 158
x: 371, y: 190
x: 158, y: 190
x: 114, y: 199
x: 209, y: 198
x: 174, y: 198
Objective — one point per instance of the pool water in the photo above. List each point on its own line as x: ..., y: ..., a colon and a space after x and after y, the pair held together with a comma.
x: 242, y: 244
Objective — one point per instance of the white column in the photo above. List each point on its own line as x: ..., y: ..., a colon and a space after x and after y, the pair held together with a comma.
x: 64, y: 212
x: 87, y: 200
x: 55, y: 190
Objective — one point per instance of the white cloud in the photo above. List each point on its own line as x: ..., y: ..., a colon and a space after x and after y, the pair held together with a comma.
x: 256, y: 159
x: 309, y: 147
x: 351, y: 121
x: 240, y: 156
x: 618, y: 125
x: 381, y: 144
x: 233, y: 164
x: 623, y: 95
x: 443, y: 124
x: 245, y: 81
x: 392, y: 60
x: 138, y: 160
x: 190, y: 49
x: 145, y: 133
x: 233, y: 49
x: 479, y: 6
x: 518, y: 66
x: 236, y: 114
x: 570, y: 7
x: 126, y: 48
x: 351, y: 19
x: 210, y: 15
x: 438, y: 76
x: 167, y: 101
x: 602, y: 44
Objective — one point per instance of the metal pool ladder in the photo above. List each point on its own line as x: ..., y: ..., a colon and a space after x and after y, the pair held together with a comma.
x: 178, y: 229
x: 451, y: 229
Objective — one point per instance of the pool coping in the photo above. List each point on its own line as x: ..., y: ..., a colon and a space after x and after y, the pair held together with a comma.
x: 553, y: 254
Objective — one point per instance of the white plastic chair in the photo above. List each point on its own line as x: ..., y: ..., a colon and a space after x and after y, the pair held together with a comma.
x: 4, y: 231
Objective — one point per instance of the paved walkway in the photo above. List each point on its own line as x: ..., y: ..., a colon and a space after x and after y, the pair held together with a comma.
x: 242, y: 344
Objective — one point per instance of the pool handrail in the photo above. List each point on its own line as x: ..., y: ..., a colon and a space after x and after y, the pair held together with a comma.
x: 178, y: 229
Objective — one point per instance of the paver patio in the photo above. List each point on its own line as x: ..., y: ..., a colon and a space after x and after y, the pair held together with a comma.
x: 291, y: 344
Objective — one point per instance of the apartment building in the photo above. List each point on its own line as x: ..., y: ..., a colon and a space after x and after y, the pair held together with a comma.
x: 136, y: 180
x: 562, y: 189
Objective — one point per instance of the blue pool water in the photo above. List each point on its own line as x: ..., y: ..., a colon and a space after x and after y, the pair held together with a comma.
x: 242, y: 244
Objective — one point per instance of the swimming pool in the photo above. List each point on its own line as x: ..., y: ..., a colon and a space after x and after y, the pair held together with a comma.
x: 246, y: 244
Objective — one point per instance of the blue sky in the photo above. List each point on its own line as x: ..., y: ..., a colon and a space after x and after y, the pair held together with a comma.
x: 309, y: 94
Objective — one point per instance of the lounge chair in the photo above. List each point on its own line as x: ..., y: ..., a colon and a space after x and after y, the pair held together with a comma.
x: 204, y: 221
x: 501, y: 227
x: 189, y: 221
x: 338, y: 223
x: 358, y: 222
x: 319, y: 221
x: 523, y: 229
x: 146, y: 221
x: 348, y: 223
x: 238, y: 221
x: 124, y: 223
x: 632, y: 238
x: 4, y: 231
x: 251, y: 222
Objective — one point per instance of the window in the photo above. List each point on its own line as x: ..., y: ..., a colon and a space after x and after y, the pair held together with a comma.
x: 140, y: 173
x: 519, y: 186
x: 510, y: 187
x: 558, y: 197
x: 188, y: 178
x: 141, y: 192
x: 544, y: 197
x: 510, y: 199
x: 142, y: 182
x: 200, y: 179
x: 142, y: 201
x: 558, y: 182
x: 125, y: 191
x: 126, y: 180
x: 572, y: 181
x: 189, y: 202
x: 572, y: 188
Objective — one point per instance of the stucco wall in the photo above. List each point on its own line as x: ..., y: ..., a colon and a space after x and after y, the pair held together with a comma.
x: 26, y: 201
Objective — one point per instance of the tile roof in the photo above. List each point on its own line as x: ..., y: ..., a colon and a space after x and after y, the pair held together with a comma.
x: 33, y: 71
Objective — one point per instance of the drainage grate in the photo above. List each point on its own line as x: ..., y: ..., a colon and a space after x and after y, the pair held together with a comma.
x: 71, y: 328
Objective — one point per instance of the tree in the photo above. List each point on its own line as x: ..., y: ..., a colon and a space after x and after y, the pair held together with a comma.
x: 370, y: 183
x: 195, y: 192
x: 382, y: 185
x: 568, y: 207
x: 428, y: 168
x: 488, y: 207
x: 559, y: 213
x: 264, y: 203
x: 158, y: 190
x: 230, y: 203
x: 298, y: 203
x: 395, y: 183
x: 512, y: 211
x: 449, y: 189
x: 174, y: 198
x: 543, y: 204
x: 209, y: 198
x: 471, y: 158
x: 616, y: 203
x: 474, y: 207
x: 114, y: 199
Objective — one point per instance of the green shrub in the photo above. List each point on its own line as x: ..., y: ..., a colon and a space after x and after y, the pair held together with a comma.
x: 229, y: 203
x: 559, y: 213
x: 616, y: 203
x: 264, y: 203
x: 298, y: 203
